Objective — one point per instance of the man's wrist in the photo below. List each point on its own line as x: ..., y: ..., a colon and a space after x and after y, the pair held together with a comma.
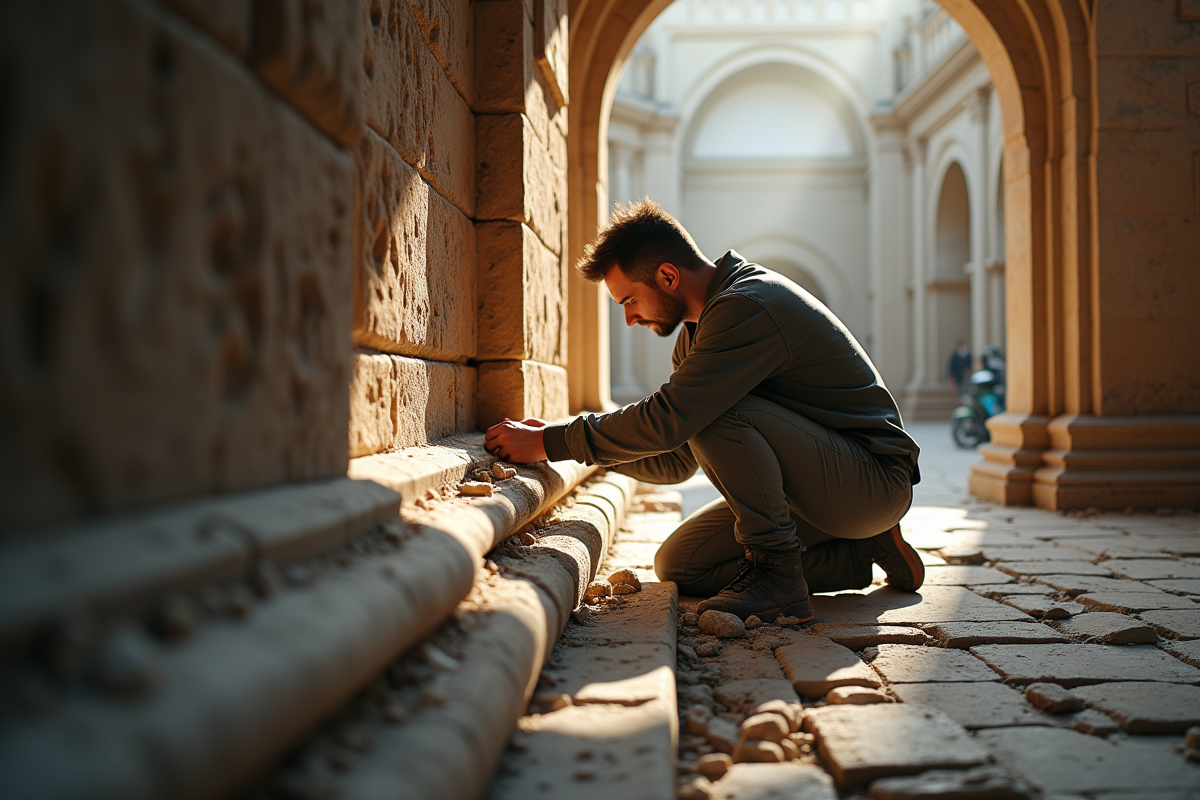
x: 554, y: 442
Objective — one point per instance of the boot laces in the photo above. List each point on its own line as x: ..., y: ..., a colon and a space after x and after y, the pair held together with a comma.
x: 746, y: 578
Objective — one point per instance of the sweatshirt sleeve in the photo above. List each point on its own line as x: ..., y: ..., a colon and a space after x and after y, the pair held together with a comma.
x: 736, y: 346
x: 663, y: 469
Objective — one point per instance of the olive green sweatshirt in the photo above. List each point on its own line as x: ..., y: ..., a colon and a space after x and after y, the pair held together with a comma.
x: 758, y: 334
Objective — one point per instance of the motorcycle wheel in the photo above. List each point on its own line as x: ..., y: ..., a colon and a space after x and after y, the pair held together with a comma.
x: 965, y: 432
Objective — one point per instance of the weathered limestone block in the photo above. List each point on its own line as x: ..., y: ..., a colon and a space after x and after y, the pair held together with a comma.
x: 175, y: 285
x: 520, y: 389
x: 504, y: 67
x: 1145, y: 707
x: 415, y: 285
x: 906, y: 663
x: 401, y: 402
x: 517, y: 178
x: 814, y: 667
x: 973, y: 705
x: 227, y: 20
x: 449, y: 28
x: 411, y: 103
x: 523, y: 298
x: 311, y: 51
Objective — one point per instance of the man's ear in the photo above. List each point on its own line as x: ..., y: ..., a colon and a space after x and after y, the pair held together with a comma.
x: 667, y: 275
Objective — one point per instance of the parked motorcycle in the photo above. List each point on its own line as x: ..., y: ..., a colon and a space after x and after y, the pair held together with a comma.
x: 983, y: 399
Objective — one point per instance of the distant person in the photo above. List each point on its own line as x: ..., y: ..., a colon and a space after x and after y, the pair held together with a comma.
x: 960, y: 365
x: 774, y: 399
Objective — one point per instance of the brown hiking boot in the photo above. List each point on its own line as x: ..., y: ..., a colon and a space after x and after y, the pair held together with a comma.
x: 771, y: 584
x: 899, y: 560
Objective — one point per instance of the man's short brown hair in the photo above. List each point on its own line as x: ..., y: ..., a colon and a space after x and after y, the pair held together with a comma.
x: 640, y: 236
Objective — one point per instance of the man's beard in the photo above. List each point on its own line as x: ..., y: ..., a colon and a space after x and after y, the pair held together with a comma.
x: 670, y: 310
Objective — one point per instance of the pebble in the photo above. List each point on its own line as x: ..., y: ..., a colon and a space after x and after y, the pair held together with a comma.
x: 697, y: 788
x: 787, y: 622
x: 695, y: 721
x: 476, y: 489
x: 700, y: 693
x: 768, y: 727
x: 691, y: 619
x: 753, y: 622
x: 855, y: 695
x: 791, y: 713
x: 713, y: 765
x: 597, y: 590
x: 626, y: 577
x: 177, y: 617
x: 482, y: 476
x: 1052, y: 698
x: 757, y: 751
x: 722, y: 625
x: 722, y: 734
x: 708, y: 650
x: 625, y: 588
x: 127, y: 663
x: 501, y: 472
x: 687, y: 651
x: 491, y: 566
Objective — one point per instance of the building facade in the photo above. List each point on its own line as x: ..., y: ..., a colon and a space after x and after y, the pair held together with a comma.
x: 854, y: 147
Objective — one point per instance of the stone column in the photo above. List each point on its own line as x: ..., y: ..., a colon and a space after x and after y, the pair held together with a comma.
x: 889, y: 258
x: 977, y: 112
x: 921, y: 368
x: 521, y: 127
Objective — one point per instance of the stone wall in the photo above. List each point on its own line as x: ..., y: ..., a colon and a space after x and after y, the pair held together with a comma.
x: 247, y: 240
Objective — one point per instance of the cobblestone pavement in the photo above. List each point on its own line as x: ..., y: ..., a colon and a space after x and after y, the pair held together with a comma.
x: 1047, y: 655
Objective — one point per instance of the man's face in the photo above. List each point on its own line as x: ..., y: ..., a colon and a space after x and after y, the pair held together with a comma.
x: 651, y: 306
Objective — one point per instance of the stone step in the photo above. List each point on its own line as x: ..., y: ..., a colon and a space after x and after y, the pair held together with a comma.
x: 219, y: 634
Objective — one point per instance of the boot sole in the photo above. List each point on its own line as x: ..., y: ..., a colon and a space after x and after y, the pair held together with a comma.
x: 802, y: 611
x: 911, y: 557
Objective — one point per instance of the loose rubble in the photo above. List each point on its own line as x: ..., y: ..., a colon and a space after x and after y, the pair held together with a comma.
x: 722, y: 625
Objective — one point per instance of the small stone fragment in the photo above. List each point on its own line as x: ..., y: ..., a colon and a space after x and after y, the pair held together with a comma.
x: 491, y: 566
x: 1105, y: 627
x: 625, y: 588
x: 752, y: 622
x: 767, y: 727
x: 582, y: 615
x: 700, y: 693
x: 476, y: 489
x: 482, y: 475
x: 708, y: 650
x: 756, y: 751
x: 547, y: 703
x: 1052, y: 698
x: 597, y: 590
x: 722, y: 734
x: 1094, y: 723
x: 855, y: 695
x: 697, y: 788
x: 690, y: 619
x: 791, y: 713
x: 695, y: 721
x: 713, y: 765
x: 127, y: 663
x: 627, y: 577
x: 687, y: 652
x: 501, y: 472
x: 787, y: 622
x: 722, y: 625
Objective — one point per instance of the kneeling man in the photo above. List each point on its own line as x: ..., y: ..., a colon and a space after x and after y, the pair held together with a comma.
x: 774, y: 399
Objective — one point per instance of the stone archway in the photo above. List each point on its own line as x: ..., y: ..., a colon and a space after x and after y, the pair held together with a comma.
x: 1040, y: 54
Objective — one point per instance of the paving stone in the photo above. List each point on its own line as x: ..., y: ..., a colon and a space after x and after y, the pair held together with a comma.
x: 1143, y: 707
x: 739, y: 663
x: 1187, y: 652
x: 1116, y: 546
x: 980, y: 783
x: 1101, y: 627
x: 861, y: 743
x: 962, y: 575
x: 1092, y: 722
x: 974, y: 705
x: 1043, y: 607
x: 1083, y: 584
x: 1179, y: 624
x: 1072, y: 665
x: 963, y: 554
x: 1040, y: 552
x: 790, y: 781
x: 1056, y: 760
x: 746, y: 695
x: 1150, y: 569
x: 1064, y: 567
x: 905, y: 663
x: 856, y: 637
x: 1178, y: 585
x: 820, y: 665
x: 933, y: 604
x: 1132, y: 602
x: 998, y: 590
x: 969, y: 634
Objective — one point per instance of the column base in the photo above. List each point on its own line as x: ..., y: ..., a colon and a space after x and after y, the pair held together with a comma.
x: 925, y: 402
x: 1005, y: 475
x: 1117, y: 462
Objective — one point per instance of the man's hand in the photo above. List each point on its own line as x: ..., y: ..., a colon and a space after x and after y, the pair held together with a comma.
x: 518, y: 442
